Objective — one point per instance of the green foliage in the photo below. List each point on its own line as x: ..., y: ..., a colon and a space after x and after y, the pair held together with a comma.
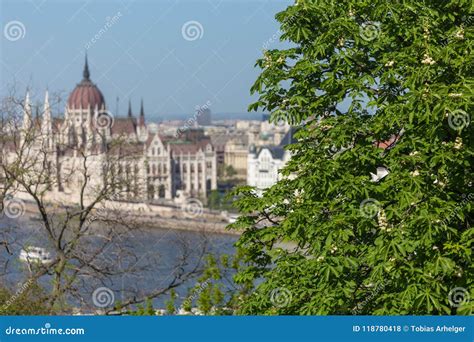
x: 209, y: 293
x: 140, y: 310
x: 27, y: 300
x: 170, y: 304
x: 149, y: 310
x: 230, y: 171
x: 118, y: 306
x: 360, y: 73
x: 188, y: 302
x: 205, y: 301
x: 214, y: 199
x: 219, y: 201
x: 226, y: 171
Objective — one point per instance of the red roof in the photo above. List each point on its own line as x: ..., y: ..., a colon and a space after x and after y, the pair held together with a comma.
x: 178, y: 147
x: 86, y: 95
x: 124, y: 126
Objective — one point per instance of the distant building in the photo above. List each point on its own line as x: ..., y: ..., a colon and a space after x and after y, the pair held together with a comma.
x: 264, y: 162
x: 244, y: 125
x: 194, y: 164
x: 150, y: 165
x: 218, y: 141
x: 253, y: 132
x: 236, y: 154
x: 204, y: 117
x: 263, y: 133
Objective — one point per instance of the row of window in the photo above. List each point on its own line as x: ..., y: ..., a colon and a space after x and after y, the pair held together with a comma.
x: 160, y: 169
x: 185, y: 168
x: 156, y: 151
x: 120, y: 169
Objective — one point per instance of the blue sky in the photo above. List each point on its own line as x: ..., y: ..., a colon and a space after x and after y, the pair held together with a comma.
x: 143, y: 52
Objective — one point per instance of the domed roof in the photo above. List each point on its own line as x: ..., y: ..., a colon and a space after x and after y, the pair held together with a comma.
x: 86, y: 94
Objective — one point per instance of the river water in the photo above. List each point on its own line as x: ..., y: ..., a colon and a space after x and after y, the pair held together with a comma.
x: 141, y: 262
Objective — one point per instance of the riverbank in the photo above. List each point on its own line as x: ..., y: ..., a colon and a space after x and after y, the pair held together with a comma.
x: 154, y: 216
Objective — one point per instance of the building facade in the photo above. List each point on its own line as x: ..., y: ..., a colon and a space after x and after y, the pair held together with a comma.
x: 142, y: 164
x: 265, y: 162
x: 235, y: 155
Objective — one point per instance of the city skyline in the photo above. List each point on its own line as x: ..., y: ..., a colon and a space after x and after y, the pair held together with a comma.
x: 176, y: 58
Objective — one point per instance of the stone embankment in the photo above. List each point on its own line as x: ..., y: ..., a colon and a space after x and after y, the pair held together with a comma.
x: 191, y: 217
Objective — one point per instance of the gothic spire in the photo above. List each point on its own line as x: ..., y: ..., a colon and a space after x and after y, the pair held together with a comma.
x: 46, y: 123
x: 86, y: 73
x: 129, y: 109
x: 142, y: 111
x: 27, y: 117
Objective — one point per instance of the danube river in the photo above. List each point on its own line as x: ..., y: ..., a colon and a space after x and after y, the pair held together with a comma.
x: 135, y: 264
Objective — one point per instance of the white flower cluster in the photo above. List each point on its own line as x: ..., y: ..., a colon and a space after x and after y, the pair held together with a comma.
x: 382, y: 221
x: 459, y: 34
x: 458, y: 143
x: 428, y: 60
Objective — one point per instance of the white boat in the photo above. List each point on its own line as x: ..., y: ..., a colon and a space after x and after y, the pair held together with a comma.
x: 233, y: 218
x: 35, y: 255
